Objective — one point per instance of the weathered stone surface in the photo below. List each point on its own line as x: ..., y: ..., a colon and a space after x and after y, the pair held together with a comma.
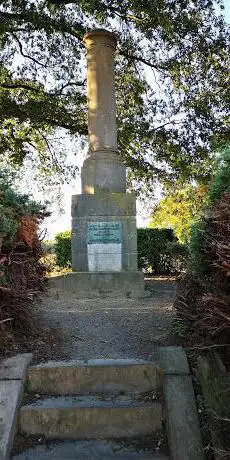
x: 128, y: 259
x: 96, y: 376
x: 87, y: 450
x: 104, y: 246
x: 104, y: 204
x: 101, y: 45
x: 105, y: 257
x: 11, y: 392
x: 104, y: 207
x: 182, y: 419
x: 93, y: 284
x: 129, y: 242
x: 103, y: 171
x: 14, y: 368
x: 90, y: 418
x: 128, y: 228
x: 172, y: 360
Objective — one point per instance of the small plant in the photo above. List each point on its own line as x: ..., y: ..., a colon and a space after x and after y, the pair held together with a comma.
x: 180, y: 328
x: 159, y: 251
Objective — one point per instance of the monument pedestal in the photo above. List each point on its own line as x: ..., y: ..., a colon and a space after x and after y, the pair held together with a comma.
x: 104, y: 232
x: 104, y: 247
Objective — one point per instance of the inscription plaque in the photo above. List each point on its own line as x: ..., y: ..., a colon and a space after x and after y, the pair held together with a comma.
x: 104, y: 233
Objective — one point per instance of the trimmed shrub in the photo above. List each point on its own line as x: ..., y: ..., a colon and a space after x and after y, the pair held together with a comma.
x: 62, y: 247
x: 159, y: 251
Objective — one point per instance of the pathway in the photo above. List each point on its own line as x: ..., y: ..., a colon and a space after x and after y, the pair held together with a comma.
x: 112, y: 328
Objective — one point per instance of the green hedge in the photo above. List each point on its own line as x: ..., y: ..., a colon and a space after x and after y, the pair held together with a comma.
x: 158, y: 251
x: 62, y: 248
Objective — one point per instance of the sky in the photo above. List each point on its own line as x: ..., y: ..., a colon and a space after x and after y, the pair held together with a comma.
x: 227, y: 10
x: 57, y: 223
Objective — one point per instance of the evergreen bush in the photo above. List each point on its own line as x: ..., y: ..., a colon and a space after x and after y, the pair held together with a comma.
x: 201, y: 230
x: 14, y: 207
x: 159, y: 251
x: 62, y: 247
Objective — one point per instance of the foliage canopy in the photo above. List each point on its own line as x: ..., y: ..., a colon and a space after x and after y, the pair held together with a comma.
x: 172, y: 81
x: 179, y: 209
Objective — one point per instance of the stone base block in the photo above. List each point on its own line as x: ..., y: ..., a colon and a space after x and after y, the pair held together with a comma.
x: 109, y: 209
x: 101, y: 284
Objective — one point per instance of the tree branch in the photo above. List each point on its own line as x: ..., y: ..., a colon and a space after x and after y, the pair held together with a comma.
x: 79, y: 83
x: 52, y: 153
x: 26, y: 55
x: 28, y: 87
x: 117, y: 11
x: 80, y: 130
x: 173, y: 122
x: 19, y: 86
x: 155, y: 66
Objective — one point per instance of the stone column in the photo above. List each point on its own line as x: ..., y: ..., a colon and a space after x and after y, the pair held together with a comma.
x: 101, y: 45
x: 103, y: 169
x: 104, y: 216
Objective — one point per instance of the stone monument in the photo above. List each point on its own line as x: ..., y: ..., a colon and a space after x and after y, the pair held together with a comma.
x: 104, y: 237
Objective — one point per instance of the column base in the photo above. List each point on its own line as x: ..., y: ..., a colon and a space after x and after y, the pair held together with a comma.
x: 103, y: 171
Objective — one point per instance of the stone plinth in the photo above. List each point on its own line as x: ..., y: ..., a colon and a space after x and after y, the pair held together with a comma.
x: 113, y: 208
x: 101, y: 284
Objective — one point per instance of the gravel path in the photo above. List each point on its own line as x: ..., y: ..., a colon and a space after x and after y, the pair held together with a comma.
x: 111, y: 328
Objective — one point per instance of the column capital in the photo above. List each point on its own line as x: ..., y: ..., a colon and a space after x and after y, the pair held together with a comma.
x: 100, y: 37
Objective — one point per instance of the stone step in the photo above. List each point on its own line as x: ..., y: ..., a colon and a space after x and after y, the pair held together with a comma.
x: 94, y: 376
x: 88, y: 450
x: 90, y: 417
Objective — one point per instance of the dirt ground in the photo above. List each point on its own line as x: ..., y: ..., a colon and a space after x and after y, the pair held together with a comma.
x: 109, y: 328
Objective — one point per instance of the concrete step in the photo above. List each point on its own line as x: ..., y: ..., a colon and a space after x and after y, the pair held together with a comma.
x: 88, y: 450
x: 94, y: 376
x: 90, y: 417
